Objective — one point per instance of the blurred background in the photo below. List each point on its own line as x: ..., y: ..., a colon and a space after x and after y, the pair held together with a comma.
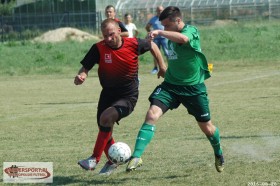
x: 23, y: 19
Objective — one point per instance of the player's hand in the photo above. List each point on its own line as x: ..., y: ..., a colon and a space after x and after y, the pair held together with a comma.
x: 153, y: 34
x: 161, y: 72
x: 79, y: 79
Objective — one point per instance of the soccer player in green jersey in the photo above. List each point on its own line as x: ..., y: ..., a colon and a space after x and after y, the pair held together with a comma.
x: 183, y: 84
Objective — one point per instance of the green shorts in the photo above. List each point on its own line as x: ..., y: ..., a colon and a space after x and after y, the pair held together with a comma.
x: 193, y: 97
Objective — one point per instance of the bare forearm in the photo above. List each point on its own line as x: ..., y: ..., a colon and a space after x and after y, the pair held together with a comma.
x: 124, y: 34
x: 158, y: 57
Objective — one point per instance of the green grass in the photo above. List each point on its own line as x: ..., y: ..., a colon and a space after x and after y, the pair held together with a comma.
x: 45, y: 117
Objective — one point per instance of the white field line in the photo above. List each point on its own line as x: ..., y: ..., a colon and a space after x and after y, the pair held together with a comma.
x: 274, y: 73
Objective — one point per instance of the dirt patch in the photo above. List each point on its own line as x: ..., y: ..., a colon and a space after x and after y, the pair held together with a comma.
x: 64, y: 34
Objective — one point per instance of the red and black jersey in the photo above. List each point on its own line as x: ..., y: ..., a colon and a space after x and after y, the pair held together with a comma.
x: 118, y: 68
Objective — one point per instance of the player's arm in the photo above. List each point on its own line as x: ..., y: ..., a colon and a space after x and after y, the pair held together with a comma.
x: 136, y: 32
x: 124, y: 31
x: 148, y: 27
x: 124, y: 34
x: 81, y: 76
x: 176, y: 37
x: 90, y: 59
x: 159, y: 59
x: 145, y: 45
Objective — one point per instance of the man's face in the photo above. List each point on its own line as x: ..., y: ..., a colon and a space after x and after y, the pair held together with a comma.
x: 128, y: 19
x: 110, y: 13
x: 111, y: 35
x: 170, y: 25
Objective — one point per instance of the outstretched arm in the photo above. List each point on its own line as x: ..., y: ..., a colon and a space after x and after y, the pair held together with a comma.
x: 81, y: 76
x: 176, y: 37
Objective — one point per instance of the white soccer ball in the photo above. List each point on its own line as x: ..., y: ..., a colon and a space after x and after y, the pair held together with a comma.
x: 119, y: 153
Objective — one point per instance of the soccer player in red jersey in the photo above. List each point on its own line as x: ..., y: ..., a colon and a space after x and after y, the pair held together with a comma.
x: 117, y: 60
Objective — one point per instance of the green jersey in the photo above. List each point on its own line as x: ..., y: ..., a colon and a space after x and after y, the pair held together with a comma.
x: 187, y: 65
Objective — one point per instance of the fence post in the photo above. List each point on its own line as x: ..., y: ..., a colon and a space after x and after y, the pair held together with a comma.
x: 2, y: 30
x: 68, y: 19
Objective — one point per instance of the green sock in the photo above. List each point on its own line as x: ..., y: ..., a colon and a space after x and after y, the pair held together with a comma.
x: 215, y: 142
x: 144, y: 137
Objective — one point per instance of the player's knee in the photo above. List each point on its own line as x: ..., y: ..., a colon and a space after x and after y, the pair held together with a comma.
x: 106, y: 121
x: 108, y: 117
x: 207, y: 128
x: 152, y: 115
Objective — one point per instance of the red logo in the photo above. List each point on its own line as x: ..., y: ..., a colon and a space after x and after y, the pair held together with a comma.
x: 28, y: 172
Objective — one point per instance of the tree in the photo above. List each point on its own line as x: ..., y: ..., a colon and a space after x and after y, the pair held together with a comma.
x: 6, y: 7
x: 5, y: 1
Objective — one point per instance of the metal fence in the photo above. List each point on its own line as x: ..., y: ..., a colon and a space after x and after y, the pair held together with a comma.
x: 206, y: 11
x: 27, y: 25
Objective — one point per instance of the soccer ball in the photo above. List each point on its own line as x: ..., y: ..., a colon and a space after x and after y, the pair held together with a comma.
x: 119, y: 153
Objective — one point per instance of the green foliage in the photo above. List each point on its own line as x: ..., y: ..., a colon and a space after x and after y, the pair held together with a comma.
x: 225, y: 37
x: 242, y: 42
x: 36, y: 58
x: 6, y: 8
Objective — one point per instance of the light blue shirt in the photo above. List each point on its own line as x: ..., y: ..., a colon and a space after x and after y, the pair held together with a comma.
x: 156, y: 24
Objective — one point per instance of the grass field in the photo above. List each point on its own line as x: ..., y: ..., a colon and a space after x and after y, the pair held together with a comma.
x: 46, y: 118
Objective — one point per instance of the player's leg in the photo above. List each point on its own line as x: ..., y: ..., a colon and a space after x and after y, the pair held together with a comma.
x: 159, y: 100
x: 213, y: 135
x: 144, y: 137
x: 198, y: 106
x: 107, y: 119
x: 104, y: 134
x: 212, y: 132
x: 124, y: 107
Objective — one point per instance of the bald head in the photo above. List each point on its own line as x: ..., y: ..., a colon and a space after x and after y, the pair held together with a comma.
x: 159, y: 10
x: 110, y: 22
x: 111, y: 33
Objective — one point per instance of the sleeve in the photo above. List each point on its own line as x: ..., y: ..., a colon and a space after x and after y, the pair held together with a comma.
x: 193, y: 35
x: 151, y: 21
x: 91, y: 58
x: 123, y: 29
x: 144, y: 45
x: 134, y: 27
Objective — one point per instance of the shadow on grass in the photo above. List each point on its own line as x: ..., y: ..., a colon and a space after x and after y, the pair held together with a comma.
x: 63, y: 180
x: 238, y: 137
x: 61, y: 103
x: 251, y: 136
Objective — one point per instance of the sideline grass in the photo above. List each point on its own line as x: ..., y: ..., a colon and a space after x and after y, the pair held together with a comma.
x: 244, y: 42
x: 47, y: 118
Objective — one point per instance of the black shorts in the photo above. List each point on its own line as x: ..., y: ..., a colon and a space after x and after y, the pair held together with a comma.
x: 124, y: 103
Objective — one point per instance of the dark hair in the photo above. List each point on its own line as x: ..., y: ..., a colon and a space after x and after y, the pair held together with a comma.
x: 127, y: 14
x: 110, y: 6
x: 170, y: 12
